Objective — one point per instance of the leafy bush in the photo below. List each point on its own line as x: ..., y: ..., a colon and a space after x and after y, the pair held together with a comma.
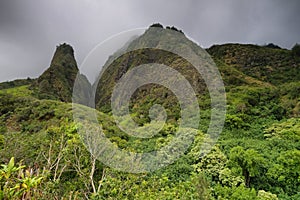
x: 17, y: 183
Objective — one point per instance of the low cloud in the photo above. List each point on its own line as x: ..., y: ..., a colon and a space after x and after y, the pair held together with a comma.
x: 30, y: 29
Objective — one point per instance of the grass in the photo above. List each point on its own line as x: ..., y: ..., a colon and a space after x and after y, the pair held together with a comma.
x: 21, y: 91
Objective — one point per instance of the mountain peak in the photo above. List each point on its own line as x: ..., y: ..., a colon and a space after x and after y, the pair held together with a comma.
x: 158, y: 25
x: 58, y: 80
x: 156, y: 45
x: 64, y: 50
x: 64, y: 55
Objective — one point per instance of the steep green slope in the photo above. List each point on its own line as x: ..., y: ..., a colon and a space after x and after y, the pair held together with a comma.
x: 149, y: 50
x: 274, y: 69
x: 272, y: 65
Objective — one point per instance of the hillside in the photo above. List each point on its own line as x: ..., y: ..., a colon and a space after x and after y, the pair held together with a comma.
x: 256, y: 157
x: 16, y: 83
x: 143, y: 50
x: 272, y: 65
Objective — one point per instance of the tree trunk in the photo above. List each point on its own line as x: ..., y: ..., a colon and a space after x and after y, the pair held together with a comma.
x: 246, y: 175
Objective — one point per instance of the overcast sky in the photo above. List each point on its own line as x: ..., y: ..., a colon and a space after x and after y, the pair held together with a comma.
x: 31, y: 29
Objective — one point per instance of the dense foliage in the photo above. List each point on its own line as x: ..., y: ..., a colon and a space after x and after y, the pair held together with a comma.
x: 256, y: 157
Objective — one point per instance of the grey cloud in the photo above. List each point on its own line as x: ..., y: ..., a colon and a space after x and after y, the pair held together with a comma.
x: 30, y: 29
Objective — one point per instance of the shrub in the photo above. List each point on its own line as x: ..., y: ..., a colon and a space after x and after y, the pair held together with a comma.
x: 296, y: 50
x: 158, y: 25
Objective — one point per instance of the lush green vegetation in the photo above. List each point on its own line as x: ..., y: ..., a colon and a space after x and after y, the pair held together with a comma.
x: 15, y: 83
x: 257, y: 155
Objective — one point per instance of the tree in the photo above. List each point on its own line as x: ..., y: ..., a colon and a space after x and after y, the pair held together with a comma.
x: 263, y: 195
x: 296, y: 50
x: 272, y: 46
x: 286, y: 171
x: 158, y: 25
x: 249, y: 162
x: 234, y: 193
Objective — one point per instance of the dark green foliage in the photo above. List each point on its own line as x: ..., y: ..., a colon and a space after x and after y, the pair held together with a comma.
x: 273, y: 46
x: 273, y: 65
x: 150, y: 94
x: 157, y: 25
x: 174, y: 29
x: 249, y: 161
x: 296, y: 50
